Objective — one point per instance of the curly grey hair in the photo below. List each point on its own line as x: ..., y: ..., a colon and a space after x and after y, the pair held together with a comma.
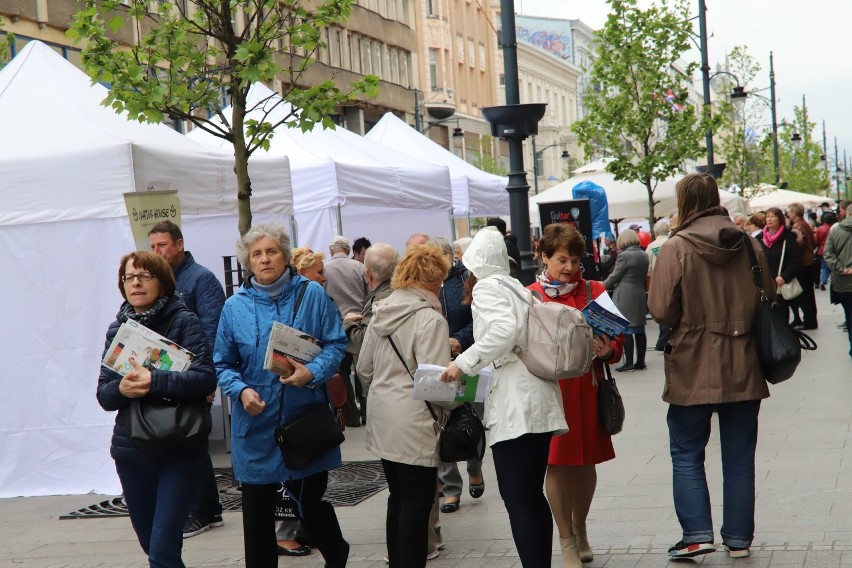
x: 381, y: 259
x: 276, y: 232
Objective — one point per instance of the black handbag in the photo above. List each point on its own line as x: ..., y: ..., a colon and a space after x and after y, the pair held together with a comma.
x: 779, y: 347
x: 462, y: 437
x: 313, y: 434
x: 167, y: 425
x: 610, y: 405
x: 309, y: 437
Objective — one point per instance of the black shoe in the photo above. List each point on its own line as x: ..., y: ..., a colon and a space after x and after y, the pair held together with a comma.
x: 195, y: 525
x: 298, y: 551
x: 681, y: 550
x: 625, y: 368
x: 803, y: 327
x: 216, y: 521
x: 639, y: 367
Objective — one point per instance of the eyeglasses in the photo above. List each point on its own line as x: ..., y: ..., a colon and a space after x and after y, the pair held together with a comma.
x: 142, y: 276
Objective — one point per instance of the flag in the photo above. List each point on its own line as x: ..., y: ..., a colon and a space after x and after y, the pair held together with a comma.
x: 670, y: 98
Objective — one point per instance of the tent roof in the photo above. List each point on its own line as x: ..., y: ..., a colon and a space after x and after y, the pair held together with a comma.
x: 485, y: 193
x: 627, y: 200
x: 68, y: 157
x: 784, y: 197
x: 331, y: 167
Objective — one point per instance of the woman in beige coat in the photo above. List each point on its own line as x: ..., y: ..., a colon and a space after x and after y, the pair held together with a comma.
x: 401, y: 430
x: 702, y: 288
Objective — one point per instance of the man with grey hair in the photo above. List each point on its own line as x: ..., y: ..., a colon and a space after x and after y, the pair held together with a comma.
x: 380, y: 260
x: 740, y: 220
x: 416, y: 239
x: 347, y: 286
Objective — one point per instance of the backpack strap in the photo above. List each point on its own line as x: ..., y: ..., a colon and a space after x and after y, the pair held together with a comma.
x: 512, y: 289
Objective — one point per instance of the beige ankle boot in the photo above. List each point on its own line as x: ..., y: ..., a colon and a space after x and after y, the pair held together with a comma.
x: 570, y: 555
x: 583, y: 548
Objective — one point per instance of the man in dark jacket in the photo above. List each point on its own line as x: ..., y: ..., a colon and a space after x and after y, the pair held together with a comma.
x: 203, y: 294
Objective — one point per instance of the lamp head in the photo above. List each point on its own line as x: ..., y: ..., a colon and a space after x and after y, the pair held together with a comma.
x: 738, y: 98
x: 796, y: 139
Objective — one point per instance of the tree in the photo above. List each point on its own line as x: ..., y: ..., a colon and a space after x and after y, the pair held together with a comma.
x: 186, y: 55
x: 638, y: 115
x: 740, y: 134
x: 5, y: 44
x: 800, y: 167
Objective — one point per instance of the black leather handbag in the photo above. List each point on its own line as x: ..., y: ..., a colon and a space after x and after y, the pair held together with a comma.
x: 167, y: 425
x: 610, y: 404
x: 779, y: 347
x: 309, y: 437
x: 462, y: 437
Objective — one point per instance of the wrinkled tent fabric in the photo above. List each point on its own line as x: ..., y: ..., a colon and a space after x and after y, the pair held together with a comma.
x: 338, y: 168
x: 784, y: 197
x: 65, y: 162
x: 475, y: 192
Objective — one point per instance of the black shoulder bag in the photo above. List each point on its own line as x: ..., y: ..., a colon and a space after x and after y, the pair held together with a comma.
x: 156, y: 424
x: 779, y: 347
x: 463, y: 436
x: 610, y: 405
x: 313, y: 434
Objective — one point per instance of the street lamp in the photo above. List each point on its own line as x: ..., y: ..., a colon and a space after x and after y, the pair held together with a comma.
x: 537, y: 156
x: 457, y: 131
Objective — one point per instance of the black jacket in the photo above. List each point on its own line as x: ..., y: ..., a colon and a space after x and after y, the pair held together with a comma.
x: 459, y: 316
x: 792, y: 256
x: 185, y: 329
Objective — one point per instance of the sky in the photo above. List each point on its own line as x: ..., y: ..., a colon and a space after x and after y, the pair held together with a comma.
x: 811, y: 54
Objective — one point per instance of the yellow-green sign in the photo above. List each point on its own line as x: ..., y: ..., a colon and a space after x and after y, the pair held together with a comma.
x: 147, y: 208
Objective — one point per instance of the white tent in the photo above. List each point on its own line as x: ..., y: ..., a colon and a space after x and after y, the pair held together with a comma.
x: 475, y: 193
x: 334, y: 169
x: 627, y: 200
x: 784, y: 197
x: 64, y: 163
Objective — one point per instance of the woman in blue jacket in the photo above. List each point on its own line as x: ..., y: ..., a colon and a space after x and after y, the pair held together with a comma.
x: 262, y: 400
x: 157, y: 486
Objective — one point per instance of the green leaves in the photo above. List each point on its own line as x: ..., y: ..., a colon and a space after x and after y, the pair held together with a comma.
x: 638, y: 81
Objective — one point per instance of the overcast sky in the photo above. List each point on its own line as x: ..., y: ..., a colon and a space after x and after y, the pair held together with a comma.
x: 809, y: 40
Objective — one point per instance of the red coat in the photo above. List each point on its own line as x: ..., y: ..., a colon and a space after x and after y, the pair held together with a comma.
x: 586, y: 442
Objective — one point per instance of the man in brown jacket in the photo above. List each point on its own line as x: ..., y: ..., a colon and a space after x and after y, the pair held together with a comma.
x: 808, y: 269
x: 703, y: 289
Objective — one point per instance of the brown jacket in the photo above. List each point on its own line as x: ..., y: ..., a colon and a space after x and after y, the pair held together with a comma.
x: 702, y: 288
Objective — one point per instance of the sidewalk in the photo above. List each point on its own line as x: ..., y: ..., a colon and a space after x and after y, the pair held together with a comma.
x: 804, y: 492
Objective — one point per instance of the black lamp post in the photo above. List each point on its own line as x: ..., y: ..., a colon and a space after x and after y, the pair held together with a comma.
x: 514, y: 122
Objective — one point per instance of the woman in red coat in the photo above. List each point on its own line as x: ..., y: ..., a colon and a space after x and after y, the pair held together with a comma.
x: 571, y: 474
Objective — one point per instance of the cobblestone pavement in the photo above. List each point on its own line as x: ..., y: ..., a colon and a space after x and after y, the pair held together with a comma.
x: 804, y: 492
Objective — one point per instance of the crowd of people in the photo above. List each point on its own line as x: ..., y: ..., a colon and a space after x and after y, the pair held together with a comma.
x: 377, y: 313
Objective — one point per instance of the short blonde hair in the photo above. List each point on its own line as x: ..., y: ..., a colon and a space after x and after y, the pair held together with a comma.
x: 423, y: 266
x: 304, y: 258
x: 626, y: 238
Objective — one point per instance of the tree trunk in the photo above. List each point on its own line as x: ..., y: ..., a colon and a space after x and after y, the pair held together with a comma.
x: 241, y: 161
x: 651, y: 217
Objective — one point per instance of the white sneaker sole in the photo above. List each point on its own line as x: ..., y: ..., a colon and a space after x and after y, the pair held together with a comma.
x: 203, y: 529
x: 744, y: 553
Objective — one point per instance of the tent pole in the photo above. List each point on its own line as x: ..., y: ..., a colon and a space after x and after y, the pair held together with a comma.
x: 294, y: 231
x: 452, y: 229
x: 468, y: 225
x: 339, y: 220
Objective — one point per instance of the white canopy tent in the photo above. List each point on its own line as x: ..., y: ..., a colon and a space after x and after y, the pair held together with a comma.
x: 627, y: 200
x: 65, y: 162
x: 784, y: 197
x: 475, y: 193
x: 343, y: 183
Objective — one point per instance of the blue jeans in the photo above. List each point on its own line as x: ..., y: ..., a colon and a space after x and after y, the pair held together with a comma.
x: 825, y: 271
x: 157, y: 496
x: 689, y: 432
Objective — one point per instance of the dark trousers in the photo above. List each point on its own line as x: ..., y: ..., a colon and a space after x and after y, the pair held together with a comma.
x: 412, y: 492
x: 521, y: 465
x: 807, y: 276
x: 665, y: 334
x: 345, y: 371
x: 205, y: 494
x: 641, y: 345
x: 318, y: 520
x: 845, y: 300
x: 157, y: 496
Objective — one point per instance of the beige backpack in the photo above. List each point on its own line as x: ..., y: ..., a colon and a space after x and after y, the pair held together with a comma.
x: 559, y: 340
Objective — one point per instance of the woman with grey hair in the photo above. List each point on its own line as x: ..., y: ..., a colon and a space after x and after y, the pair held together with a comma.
x: 261, y: 400
x: 628, y: 279
x: 460, y: 246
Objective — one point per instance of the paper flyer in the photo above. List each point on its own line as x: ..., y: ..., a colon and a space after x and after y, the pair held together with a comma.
x: 428, y: 385
x: 284, y: 341
x: 603, y: 315
x: 146, y: 347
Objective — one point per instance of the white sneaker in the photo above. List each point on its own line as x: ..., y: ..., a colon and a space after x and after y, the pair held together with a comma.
x: 737, y: 552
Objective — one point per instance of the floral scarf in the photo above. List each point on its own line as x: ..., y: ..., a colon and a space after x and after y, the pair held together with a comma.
x: 556, y: 288
x: 127, y: 312
x: 771, y: 238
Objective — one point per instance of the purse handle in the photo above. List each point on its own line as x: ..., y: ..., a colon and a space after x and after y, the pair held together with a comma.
x: 404, y: 364
x: 806, y: 342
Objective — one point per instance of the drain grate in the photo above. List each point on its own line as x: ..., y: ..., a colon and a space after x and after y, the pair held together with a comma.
x: 348, y: 485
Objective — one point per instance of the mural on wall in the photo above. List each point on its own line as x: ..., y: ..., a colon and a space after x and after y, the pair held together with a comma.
x: 548, y: 34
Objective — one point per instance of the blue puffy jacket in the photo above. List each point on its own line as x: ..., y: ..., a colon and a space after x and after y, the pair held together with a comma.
x: 202, y: 293
x: 183, y: 327
x: 240, y: 348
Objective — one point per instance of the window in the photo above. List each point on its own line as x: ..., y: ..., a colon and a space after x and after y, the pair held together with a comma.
x: 471, y: 52
x: 339, y: 48
x: 366, y: 60
x: 433, y: 69
x: 349, y: 48
x: 459, y: 48
x: 377, y: 65
x: 482, y: 57
x: 404, y: 80
x: 430, y: 8
x: 395, y: 67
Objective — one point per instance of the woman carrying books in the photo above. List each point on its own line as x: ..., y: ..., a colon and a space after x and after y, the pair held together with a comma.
x: 157, y: 485
x: 571, y: 474
x: 275, y: 292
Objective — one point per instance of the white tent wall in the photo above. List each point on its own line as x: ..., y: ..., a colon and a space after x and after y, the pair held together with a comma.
x: 60, y: 293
